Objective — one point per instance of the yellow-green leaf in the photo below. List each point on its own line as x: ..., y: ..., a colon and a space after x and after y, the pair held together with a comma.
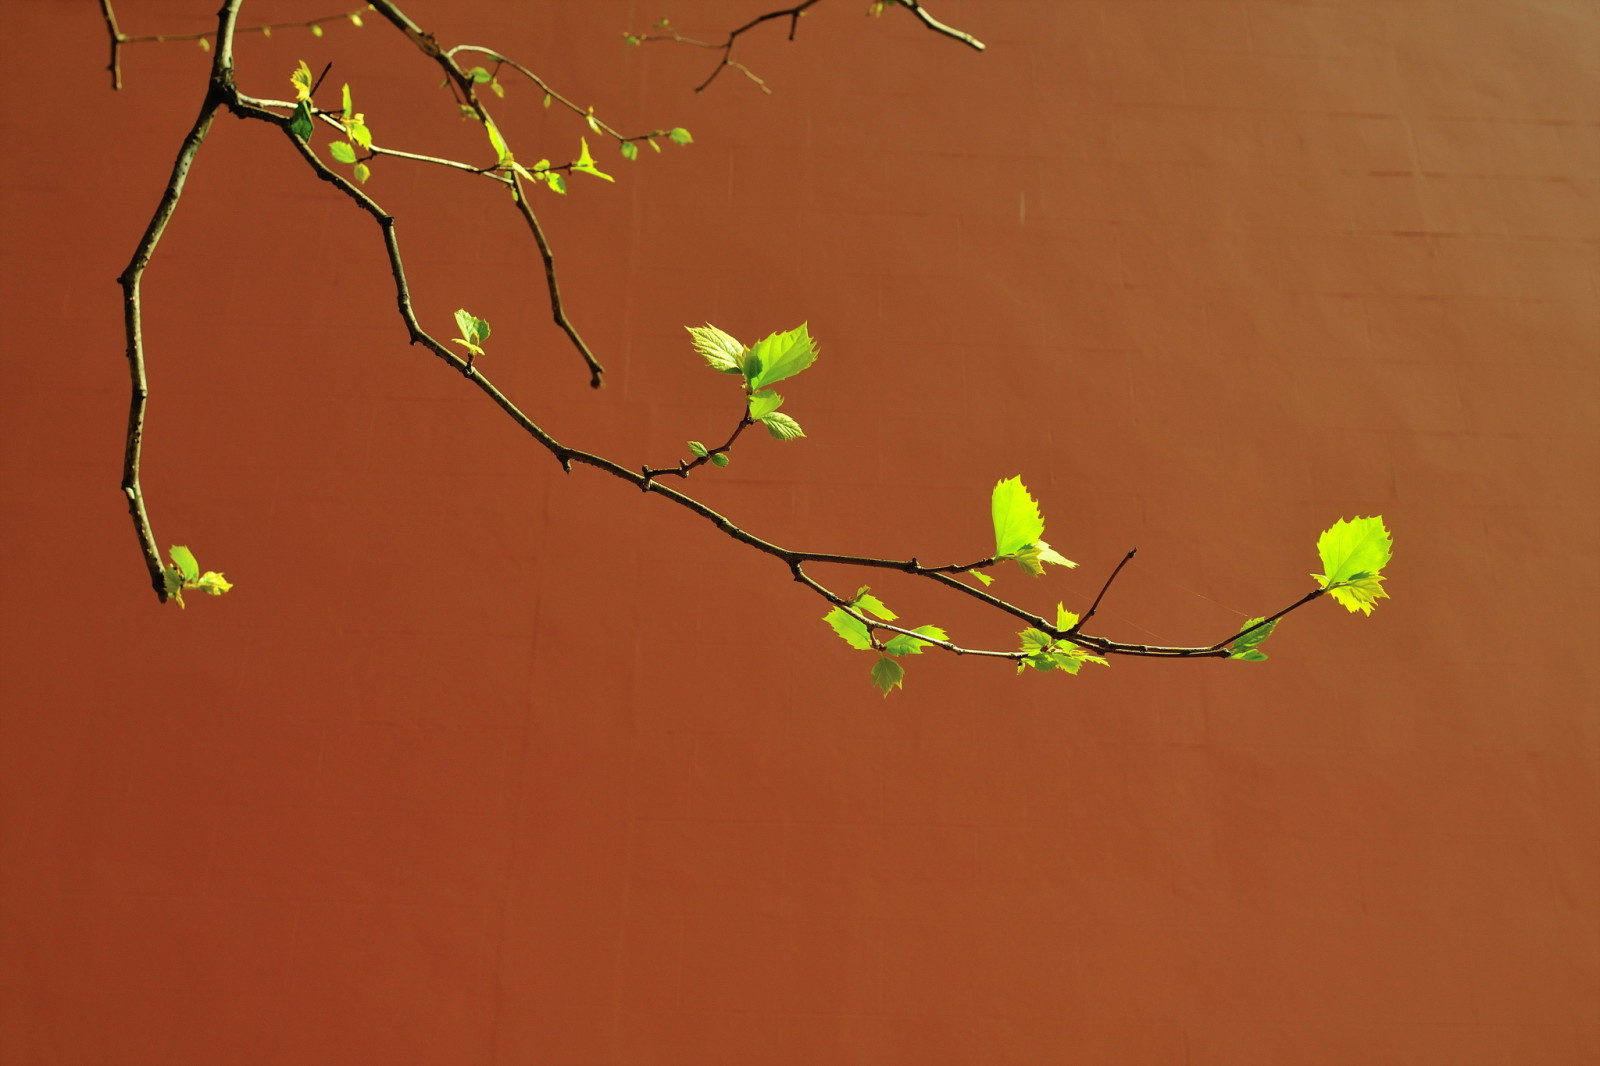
x: 585, y: 161
x: 887, y: 674
x: 1017, y: 524
x: 720, y: 350
x: 1353, y: 553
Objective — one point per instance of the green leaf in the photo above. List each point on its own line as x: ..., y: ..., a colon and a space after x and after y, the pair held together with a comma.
x: 983, y: 578
x: 502, y: 151
x: 781, y: 355
x: 653, y: 145
x: 680, y: 135
x: 359, y: 134
x: 869, y: 603
x: 721, y: 351
x: 344, y: 96
x: 300, y: 78
x: 316, y: 31
x: 1065, y: 619
x: 902, y: 644
x: 557, y: 182
x: 585, y: 161
x: 499, y: 90
x: 184, y: 560
x: 362, y: 173
x: 630, y: 151
x: 1247, y: 646
x: 1033, y: 557
x: 721, y: 459
x: 1017, y: 524
x: 479, y: 75
x: 763, y: 404
x: 342, y: 152
x: 300, y: 121
x: 782, y: 426
x: 213, y: 583
x: 697, y: 449
x: 355, y: 19
x: 467, y: 326
x: 850, y: 628
x: 545, y: 103
x: 205, y: 45
x: 174, y: 584
x: 887, y: 674
x: 1353, y: 553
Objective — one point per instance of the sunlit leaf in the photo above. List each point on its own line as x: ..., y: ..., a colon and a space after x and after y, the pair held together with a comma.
x: 301, y: 80
x: 680, y: 135
x: 205, y: 45
x: 865, y: 601
x: 502, y: 151
x: 342, y: 152
x: 887, y: 674
x: 697, y: 449
x: 763, y: 404
x: 316, y: 31
x: 782, y: 426
x: 720, y: 350
x: 902, y: 644
x: 780, y: 355
x: 546, y: 101
x: 213, y: 583
x: 1353, y: 553
x: 184, y: 560
x: 1017, y: 524
x: 630, y: 150
x: 355, y: 19
x: 344, y: 96
x: 362, y: 173
x: 850, y: 628
x: 585, y: 161
x: 499, y: 90
x: 479, y: 75
x: 721, y: 459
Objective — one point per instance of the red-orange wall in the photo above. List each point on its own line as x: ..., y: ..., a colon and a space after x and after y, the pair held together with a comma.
x: 481, y: 763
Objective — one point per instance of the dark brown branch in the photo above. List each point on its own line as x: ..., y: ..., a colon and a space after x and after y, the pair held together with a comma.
x: 218, y: 87
x: 793, y: 15
x: 1095, y: 606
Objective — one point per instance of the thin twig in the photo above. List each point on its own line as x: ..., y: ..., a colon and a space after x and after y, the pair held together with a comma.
x: 1095, y: 606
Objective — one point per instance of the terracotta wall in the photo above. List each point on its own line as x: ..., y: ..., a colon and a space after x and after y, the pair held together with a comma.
x: 482, y: 763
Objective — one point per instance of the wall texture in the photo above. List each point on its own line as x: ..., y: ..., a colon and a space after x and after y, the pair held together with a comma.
x: 483, y: 763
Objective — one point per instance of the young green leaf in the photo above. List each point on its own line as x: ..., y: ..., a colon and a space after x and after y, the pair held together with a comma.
x: 901, y: 644
x: 1018, y: 528
x: 205, y: 45
x: 680, y: 135
x: 1065, y: 619
x: 1248, y: 646
x: 1353, y: 553
x: 887, y: 674
x: 300, y: 121
x: 630, y: 150
x: 697, y: 449
x: 1017, y: 523
x: 850, y: 628
x: 545, y: 103
x: 355, y: 19
x: 869, y: 603
x: 362, y: 173
x: 782, y: 426
x: 780, y: 356
x: 301, y: 80
x: 499, y: 90
x: 721, y: 351
x: 502, y: 151
x: 342, y: 152
x: 721, y: 459
x: 316, y: 31
x: 763, y: 404
x: 344, y: 97
x: 184, y: 560
x: 585, y: 161
x: 479, y: 75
